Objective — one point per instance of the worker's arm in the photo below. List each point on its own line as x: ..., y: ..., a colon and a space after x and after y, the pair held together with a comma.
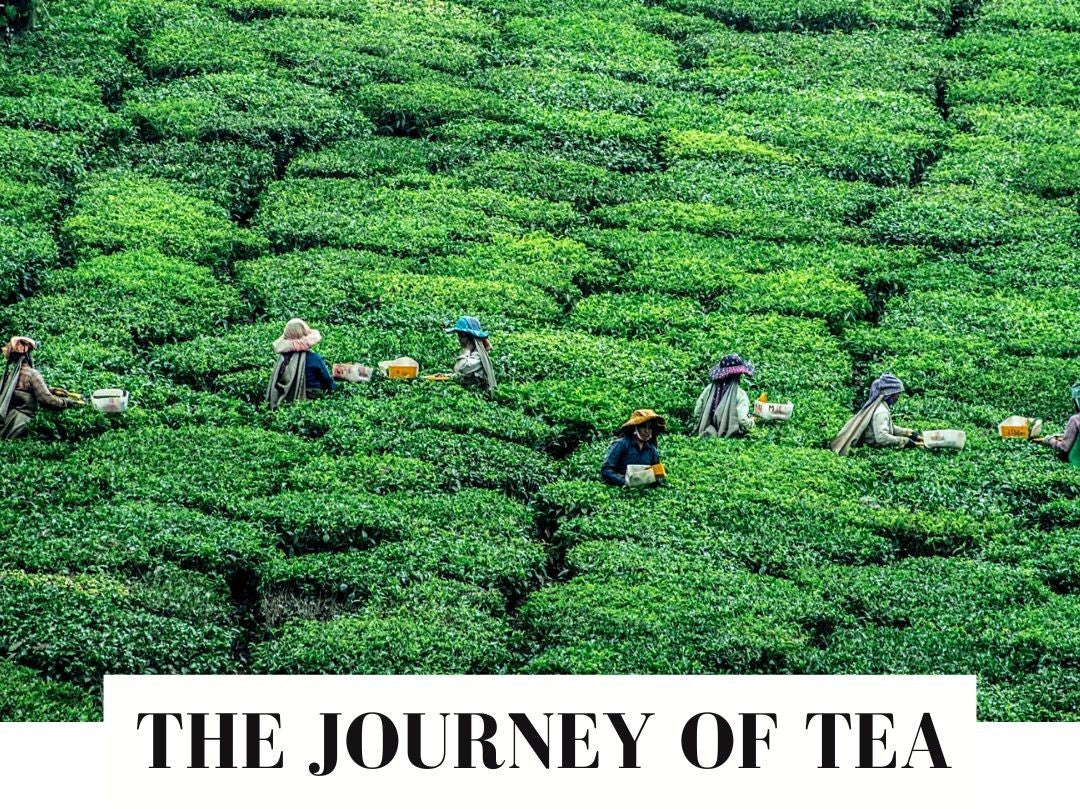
x: 611, y: 462
x: 318, y: 365
x: 1064, y: 442
x: 884, y: 433
x: 469, y: 364
x: 742, y: 409
x: 41, y: 390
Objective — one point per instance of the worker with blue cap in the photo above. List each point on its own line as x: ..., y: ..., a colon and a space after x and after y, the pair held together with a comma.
x: 473, y: 364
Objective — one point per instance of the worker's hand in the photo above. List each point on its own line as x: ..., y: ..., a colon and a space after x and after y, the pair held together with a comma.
x: 911, y: 444
x: 917, y: 436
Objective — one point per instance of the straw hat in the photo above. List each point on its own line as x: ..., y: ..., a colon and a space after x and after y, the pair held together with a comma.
x: 644, y: 417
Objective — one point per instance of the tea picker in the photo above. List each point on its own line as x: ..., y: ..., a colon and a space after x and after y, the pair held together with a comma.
x: 1067, y: 444
x: 473, y: 365
x: 23, y: 389
x: 873, y: 425
x: 299, y: 369
x: 723, y: 408
x: 633, y: 459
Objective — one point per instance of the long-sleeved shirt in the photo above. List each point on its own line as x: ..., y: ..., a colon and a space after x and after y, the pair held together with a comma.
x: 625, y: 452
x: 30, y: 379
x: 881, y: 432
x: 316, y: 375
x: 742, y: 410
x: 469, y: 365
x: 1065, y: 443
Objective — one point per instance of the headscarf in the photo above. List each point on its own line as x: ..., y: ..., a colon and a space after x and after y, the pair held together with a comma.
x: 16, y: 361
x: 288, y: 383
x: 722, y: 398
x: 12, y: 346
x: 882, y: 387
x: 297, y: 336
x: 1074, y: 392
x: 483, y: 346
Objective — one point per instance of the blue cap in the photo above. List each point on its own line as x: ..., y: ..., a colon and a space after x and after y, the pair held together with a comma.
x: 468, y: 325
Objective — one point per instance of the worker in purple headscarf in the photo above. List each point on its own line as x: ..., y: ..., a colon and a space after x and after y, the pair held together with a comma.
x: 873, y: 426
x: 723, y: 408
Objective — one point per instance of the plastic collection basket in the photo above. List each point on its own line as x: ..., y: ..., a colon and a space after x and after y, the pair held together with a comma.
x: 109, y: 400
x: 401, y: 368
x: 640, y: 475
x: 944, y: 439
x: 351, y: 372
x: 773, y: 411
x: 1020, y: 427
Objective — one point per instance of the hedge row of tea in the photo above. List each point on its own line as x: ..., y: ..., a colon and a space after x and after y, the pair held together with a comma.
x: 622, y: 193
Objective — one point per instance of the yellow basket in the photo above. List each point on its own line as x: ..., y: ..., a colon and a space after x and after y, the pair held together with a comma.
x: 401, y: 372
x: 1020, y: 427
x: 658, y: 470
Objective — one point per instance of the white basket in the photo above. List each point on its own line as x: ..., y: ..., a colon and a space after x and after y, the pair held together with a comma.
x: 773, y: 411
x: 944, y: 439
x: 351, y: 372
x: 639, y: 475
x: 109, y: 400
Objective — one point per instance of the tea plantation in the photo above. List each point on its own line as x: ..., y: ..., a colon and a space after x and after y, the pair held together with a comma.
x: 622, y: 192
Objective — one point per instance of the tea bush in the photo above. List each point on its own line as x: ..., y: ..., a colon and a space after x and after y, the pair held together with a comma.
x: 127, y: 212
x: 513, y: 565
x: 1028, y: 67
x: 25, y: 253
x: 339, y: 521
x: 361, y: 158
x: 41, y: 158
x: 79, y: 628
x: 959, y: 216
x: 558, y: 265
x: 594, y: 44
x: 151, y: 297
x: 26, y: 696
x: 724, y: 61
x: 231, y: 175
x: 397, y: 407
x: 673, y: 615
x: 820, y: 15
x: 433, y: 628
x: 351, y: 213
x: 262, y: 109
x: 129, y: 536
x: 338, y: 286
x: 996, y: 14
x: 416, y: 107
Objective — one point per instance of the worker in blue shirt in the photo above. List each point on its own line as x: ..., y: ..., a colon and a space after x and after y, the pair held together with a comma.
x: 299, y: 370
x: 636, y: 445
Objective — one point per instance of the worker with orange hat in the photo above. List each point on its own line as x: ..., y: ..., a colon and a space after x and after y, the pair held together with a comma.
x: 634, y: 447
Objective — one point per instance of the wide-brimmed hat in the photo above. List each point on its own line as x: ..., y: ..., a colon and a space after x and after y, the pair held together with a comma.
x: 730, y: 365
x: 644, y: 417
x: 12, y: 345
x: 468, y: 325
